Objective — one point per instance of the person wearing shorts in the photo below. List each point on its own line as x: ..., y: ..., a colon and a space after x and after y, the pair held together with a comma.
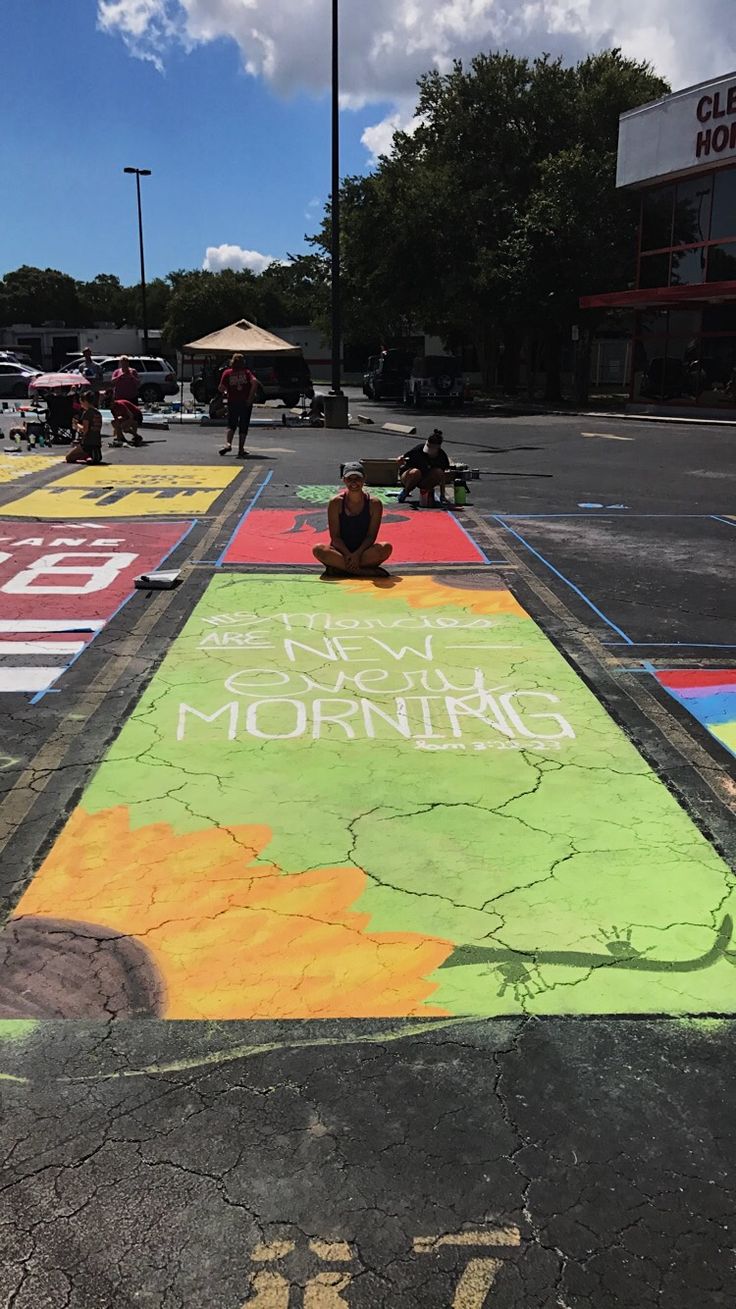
x: 239, y: 386
x: 353, y: 521
x: 125, y: 418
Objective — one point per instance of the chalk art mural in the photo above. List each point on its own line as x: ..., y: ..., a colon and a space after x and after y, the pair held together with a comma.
x: 15, y: 466
x: 371, y: 800
x: 60, y: 583
x: 287, y: 536
x: 709, y: 694
x: 115, y: 492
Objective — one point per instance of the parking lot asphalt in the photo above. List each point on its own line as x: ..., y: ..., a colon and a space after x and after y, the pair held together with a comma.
x: 370, y: 944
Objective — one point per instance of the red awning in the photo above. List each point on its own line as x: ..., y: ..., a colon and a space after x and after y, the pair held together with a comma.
x: 663, y: 297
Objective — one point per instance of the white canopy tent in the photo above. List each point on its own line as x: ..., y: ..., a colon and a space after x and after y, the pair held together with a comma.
x: 243, y: 336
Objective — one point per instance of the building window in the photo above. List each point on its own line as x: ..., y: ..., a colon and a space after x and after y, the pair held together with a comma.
x: 692, y: 212
x: 723, y: 222
x: 654, y: 270
x: 722, y: 263
x: 656, y: 218
x: 688, y: 266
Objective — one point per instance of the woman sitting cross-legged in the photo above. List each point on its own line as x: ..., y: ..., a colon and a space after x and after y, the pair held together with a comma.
x: 354, y: 520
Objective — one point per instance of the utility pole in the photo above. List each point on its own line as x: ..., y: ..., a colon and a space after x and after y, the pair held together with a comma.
x: 139, y: 173
x: 336, y: 314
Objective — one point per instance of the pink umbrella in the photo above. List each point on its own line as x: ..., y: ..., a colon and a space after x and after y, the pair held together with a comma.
x: 57, y: 381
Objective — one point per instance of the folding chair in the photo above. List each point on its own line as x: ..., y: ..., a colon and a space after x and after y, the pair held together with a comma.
x: 59, y: 419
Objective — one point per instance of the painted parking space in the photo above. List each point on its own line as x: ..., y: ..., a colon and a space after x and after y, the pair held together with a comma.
x: 286, y: 536
x: 371, y: 800
x: 15, y: 467
x: 60, y: 583
x: 114, y: 492
x: 651, y: 579
x: 709, y: 695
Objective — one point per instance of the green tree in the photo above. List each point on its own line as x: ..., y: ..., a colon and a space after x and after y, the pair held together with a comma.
x: 39, y: 295
x: 201, y: 302
x: 500, y: 210
x: 294, y: 292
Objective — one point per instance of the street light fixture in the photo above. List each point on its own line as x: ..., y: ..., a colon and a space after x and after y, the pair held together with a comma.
x: 139, y: 173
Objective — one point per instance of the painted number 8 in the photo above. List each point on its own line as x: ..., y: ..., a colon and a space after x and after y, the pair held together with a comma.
x: 98, y: 575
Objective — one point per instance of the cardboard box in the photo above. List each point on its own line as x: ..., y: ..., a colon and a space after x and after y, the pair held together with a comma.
x: 379, y: 472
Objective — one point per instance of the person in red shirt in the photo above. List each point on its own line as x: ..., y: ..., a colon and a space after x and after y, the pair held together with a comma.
x: 125, y: 383
x: 239, y: 385
x: 125, y: 418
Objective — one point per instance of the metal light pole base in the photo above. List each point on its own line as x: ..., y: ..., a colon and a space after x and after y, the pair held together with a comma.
x: 336, y: 411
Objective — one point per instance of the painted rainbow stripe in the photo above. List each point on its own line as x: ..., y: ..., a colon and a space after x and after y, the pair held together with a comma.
x: 710, y: 696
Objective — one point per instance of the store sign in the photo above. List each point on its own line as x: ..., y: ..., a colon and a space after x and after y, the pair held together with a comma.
x: 691, y: 131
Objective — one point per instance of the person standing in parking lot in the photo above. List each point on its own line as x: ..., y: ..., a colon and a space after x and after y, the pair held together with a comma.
x: 125, y: 383
x: 92, y: 371
x: 239, y: 386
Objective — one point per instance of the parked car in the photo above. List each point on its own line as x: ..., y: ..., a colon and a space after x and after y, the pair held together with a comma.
x: 386, y: 374
x: 14, y: 379
x: 157, y: 377
x: 435, y: 379
x: 17, y: 357
x: 280, y: 377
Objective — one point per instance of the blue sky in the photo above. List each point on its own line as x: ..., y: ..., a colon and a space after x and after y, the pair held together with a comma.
x: 227, y: 102
x: 232, y: 162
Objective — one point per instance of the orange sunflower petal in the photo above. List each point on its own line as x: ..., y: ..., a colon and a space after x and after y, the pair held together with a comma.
x: 426, y: 593
x: 233, y: 938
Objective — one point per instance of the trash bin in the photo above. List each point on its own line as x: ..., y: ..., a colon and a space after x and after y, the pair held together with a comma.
x: 336, y: 411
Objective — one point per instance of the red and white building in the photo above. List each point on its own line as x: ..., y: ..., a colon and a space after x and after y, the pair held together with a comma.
x: 679, y: 154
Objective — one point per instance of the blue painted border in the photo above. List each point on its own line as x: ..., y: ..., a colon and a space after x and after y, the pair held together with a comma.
x: 608, y: 621
x: 240, y: 521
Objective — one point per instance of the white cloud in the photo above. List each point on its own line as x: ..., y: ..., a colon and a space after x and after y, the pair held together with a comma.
x: 378, y: 139
x: 218, y: 257
x: 387, y: 44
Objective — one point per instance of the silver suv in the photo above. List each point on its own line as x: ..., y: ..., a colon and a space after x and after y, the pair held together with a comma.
x: 156, y: 377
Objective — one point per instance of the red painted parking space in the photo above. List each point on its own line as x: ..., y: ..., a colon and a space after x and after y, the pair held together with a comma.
x: 286, y: 536
x: 59, y: 585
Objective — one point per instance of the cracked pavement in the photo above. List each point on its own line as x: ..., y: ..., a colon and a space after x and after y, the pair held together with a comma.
x: 558, y: 1135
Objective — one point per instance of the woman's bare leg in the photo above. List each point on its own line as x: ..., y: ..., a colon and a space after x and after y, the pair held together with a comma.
x: 376, y: 555
x: 328, y: 557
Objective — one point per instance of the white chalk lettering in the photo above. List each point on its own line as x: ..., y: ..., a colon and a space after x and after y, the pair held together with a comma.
x: 405, y: 649
x: 231, y: 709
x: 459, y: 708
x: 517, y: 721
x: 300, y: 719
x: 333, y: 711
x: 248, y: 680
x: 400, y: 723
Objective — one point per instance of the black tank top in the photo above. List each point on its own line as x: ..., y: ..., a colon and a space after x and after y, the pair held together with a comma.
x: 354, y: 527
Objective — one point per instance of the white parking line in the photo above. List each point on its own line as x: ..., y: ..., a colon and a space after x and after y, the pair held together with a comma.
x: 608, y: 436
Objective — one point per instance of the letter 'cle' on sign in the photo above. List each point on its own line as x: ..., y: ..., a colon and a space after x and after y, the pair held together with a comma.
x: 126, y: 492
x: 377, y: 800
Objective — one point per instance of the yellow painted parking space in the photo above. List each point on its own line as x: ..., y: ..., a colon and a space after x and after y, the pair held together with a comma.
x: 121, y: 492
x: 13, y: 467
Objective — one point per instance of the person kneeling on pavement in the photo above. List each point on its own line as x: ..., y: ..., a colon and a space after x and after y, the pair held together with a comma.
x: 88, y: 448
x: 125, y: 418
x: 354, y: 520
x: 425, y: 466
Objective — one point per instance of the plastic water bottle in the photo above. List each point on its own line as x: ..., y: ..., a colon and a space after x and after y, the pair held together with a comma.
x: 460, y: 489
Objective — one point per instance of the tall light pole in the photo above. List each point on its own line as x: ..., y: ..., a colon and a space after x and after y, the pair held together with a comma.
x: 139, y: 173
x: 336, y: 323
